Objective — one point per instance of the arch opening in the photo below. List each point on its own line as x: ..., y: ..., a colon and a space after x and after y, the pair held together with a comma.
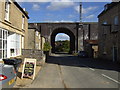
x: 71, y: 39
x: 62, y: 43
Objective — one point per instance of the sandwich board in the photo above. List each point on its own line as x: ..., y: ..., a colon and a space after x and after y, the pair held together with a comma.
x: 29, y: 67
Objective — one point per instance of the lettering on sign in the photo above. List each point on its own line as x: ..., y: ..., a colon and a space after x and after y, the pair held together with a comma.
x: 29, y: 68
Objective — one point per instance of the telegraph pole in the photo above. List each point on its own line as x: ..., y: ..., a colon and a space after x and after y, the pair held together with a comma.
x: 81, y: 25
x: 80, y: 12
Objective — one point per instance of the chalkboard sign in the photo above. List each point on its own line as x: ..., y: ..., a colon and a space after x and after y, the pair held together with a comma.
x: 29, y: 68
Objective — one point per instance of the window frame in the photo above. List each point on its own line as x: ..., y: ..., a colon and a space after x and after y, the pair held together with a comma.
x: 7, y: 9
x: 23, y: 22
x: 115, y: 26
x: 116, y: 20
x: 3, y: 38
x: 104, y: 25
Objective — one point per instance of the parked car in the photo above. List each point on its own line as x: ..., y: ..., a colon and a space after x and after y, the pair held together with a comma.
x: 15, y: 62
x: 7, y: 76
x: 82, y: 54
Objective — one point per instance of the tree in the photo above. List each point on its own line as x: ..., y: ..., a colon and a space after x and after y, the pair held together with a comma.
x: 47, y: 46
x: 62, y: 46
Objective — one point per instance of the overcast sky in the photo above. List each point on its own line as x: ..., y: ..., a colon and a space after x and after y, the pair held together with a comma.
x: 62, y: 11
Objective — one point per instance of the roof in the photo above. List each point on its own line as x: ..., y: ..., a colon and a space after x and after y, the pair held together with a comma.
x: 33, y: 26
x: 109, y: 6
x: 20, y: 9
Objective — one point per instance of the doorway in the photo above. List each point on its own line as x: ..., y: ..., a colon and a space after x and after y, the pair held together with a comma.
x: 115, y: 54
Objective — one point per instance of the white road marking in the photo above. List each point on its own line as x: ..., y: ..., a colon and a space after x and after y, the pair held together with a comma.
x: 89, y: 68
x: 111, y: 78
x: 92, y: 69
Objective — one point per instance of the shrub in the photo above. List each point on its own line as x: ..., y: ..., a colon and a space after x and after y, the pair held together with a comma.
x: 47, y: 46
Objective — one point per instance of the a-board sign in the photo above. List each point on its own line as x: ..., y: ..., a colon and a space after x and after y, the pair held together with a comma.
x: 29, y: 68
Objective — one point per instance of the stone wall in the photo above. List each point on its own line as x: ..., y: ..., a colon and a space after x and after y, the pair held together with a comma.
x: 36, y: 54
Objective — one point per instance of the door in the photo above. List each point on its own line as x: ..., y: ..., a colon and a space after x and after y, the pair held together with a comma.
x: 115, y: 54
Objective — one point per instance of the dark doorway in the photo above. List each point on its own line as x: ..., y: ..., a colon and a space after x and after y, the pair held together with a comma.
x: 115, y: 54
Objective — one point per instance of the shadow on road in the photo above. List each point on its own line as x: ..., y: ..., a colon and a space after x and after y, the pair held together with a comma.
x: 69, y: 60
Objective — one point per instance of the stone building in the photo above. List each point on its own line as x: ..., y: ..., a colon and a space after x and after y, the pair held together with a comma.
x: 88, y: 34
x: 13, y: 29
x: 35, y: 44
x: 36, y: 40
x: 109, y: 32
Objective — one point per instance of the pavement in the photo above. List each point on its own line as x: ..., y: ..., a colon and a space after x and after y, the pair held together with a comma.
x: 67, y: 71
x: 21, y: 83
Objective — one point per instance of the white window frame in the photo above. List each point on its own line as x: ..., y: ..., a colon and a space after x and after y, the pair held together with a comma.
x: 7, y: 10
x: 37, y: 33
x: 23, y: 22
x: 4, y: 39
x: 14, y: 45
x: 22, y: 42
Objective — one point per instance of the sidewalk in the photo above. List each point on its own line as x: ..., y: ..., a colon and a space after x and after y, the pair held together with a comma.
x: 20, y: 83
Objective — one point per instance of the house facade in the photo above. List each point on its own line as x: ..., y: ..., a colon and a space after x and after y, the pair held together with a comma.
x: 13, y: 29
x: 89, y: 36
x: 36, y: 40
x: 109, y: 32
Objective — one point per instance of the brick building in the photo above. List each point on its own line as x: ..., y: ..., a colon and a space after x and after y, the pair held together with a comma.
x: 13, y: 29
x: 109, y: 32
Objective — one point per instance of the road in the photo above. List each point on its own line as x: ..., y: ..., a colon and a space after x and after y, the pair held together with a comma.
x: 67, y: 71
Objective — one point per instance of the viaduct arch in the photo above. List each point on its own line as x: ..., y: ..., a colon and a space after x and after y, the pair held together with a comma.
x: 66, y: 31
x: 51, y: 29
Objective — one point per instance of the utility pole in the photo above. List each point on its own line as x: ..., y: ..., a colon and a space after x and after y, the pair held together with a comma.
x: 80, y: 24
x: 80, y: 12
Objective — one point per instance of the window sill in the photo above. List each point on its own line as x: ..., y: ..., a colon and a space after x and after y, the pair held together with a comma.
x: 8, y: 21
x: 114, y: 31
x: 23, y: 30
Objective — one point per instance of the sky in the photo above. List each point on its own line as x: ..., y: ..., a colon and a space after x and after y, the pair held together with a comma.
x: 62, y: 11
x: 62, y: 37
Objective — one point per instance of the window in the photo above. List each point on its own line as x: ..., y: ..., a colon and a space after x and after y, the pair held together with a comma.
x: 10, y: 44
x: 116, y: 21
x: 105, y: 27
x: 105, y: 22
x: 37, y: 46
x: 37, y: 33
x: 7, y: 9
x: 115, y: 24
x: 3, y: 43
x: 22, y: 42
x: 14, y: 44
x: 23, y: 22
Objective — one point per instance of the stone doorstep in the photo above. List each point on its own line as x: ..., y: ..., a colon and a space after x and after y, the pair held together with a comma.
x: 25, y: 82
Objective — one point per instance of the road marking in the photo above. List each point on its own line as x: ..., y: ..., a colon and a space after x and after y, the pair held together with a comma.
x: 110, y: 78
x: 89, y: 67
x: 92, y: 69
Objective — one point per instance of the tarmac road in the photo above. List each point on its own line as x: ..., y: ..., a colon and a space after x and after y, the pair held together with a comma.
x: 67, y: 71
